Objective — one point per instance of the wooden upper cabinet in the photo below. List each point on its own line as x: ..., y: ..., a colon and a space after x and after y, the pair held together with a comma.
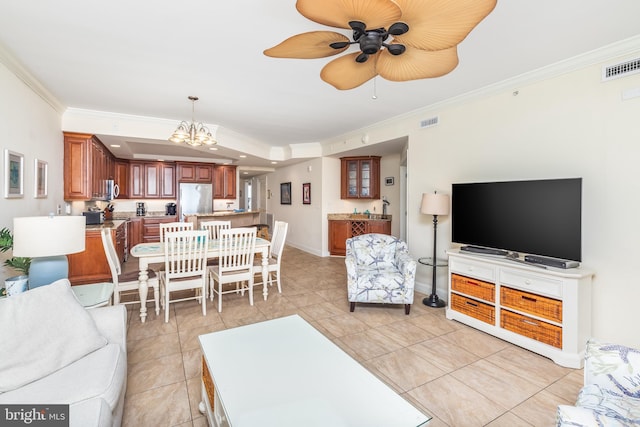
x: 152, y: 180
x: 360, y: 177
x: 224, y: 182
x: 121, y: 177
x: 195, y: 172
x: 87, y: 166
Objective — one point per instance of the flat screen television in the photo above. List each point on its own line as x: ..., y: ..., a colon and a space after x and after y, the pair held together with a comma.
x: 538, y: 217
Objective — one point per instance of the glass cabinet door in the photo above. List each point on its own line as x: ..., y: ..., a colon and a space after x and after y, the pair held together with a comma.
x: 352, y: 170
x: 365, y: 178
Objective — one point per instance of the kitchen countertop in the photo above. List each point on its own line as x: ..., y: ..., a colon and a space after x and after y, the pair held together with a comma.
x: 224, y: 213
x: 111, y: 224
x: 357, y: 217
x: 131, y: 215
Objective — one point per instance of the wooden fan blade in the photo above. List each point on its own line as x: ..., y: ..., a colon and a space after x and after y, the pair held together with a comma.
x: 416, y: 64
x: 314, y: 44
x: 338, y: 13
x: 345, y: 73
x: 440, y: 24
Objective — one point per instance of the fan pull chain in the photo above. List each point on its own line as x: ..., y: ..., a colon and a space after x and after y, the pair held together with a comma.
x: 375, y: 91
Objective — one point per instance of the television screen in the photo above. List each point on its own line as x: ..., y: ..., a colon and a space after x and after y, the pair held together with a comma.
x: 540, y: 217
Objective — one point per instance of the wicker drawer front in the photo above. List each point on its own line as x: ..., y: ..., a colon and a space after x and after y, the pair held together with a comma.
x: 473, y: 308
x: 473, y: 287
x: 532, y: 328
x: 531, y: 303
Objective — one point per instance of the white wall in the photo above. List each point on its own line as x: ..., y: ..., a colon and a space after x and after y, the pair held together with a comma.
x: 572, y: 125
x: 29, y: 126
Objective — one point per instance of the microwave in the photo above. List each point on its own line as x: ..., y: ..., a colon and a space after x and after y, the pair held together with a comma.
x: 94, y: 218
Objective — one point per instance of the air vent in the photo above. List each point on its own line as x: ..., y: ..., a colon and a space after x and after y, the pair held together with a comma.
x: 431, y: 121
x: 627, y: 68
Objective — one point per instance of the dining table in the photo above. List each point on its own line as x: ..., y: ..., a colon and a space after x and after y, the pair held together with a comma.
x: 153, y: 252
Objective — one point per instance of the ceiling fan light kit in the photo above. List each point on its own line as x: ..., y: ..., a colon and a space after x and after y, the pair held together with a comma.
x: 424, y: 37
x: 194, y: 133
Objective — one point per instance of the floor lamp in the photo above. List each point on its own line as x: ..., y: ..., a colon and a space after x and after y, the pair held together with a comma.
x: 434, y: 204
x: 48, y: 240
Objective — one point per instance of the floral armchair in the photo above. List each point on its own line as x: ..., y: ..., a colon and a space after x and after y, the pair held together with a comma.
x: 611, y: 394
x: 379, y: 270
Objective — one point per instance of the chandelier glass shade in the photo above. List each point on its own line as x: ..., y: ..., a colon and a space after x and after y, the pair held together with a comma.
x: 194, y: 133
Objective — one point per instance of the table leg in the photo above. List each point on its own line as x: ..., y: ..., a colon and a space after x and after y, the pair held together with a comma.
x: 143, y: 288
x: 265, y: 272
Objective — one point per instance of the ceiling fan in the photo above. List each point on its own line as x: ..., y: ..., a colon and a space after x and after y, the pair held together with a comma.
x: 399, y: 40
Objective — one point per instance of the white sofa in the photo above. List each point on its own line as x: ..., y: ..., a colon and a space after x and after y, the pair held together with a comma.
x: 56, y: 352
x: 611, y: 394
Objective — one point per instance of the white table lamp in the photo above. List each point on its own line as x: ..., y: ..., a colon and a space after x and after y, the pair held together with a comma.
x: 48, y: 240
x: 434, y: 204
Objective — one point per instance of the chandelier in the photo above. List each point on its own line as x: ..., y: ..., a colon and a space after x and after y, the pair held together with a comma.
x: 193, y: 133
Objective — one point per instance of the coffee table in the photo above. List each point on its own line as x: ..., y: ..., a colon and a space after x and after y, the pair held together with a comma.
x: 283, y: 372
x: 94, y: 294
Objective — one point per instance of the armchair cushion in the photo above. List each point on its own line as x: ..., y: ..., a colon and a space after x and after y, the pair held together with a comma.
x: 45, y: 330
x: 379, y: 269
x: 611, y: 395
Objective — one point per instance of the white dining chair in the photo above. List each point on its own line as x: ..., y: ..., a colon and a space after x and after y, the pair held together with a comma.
x: 185, y: 267
x: 235, y: 263
x: 124, y: 282
x: 275, y: 255
x: 214, y: 227
x: 171, y: 227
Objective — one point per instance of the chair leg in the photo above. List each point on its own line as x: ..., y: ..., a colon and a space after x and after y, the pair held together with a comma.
x: 352, y: 306
x: 278, y: 281
x: 166, y: 305
x: 156, y: 297
x: 407, y: 308
x: 219, y: 297
x: 204, y: 299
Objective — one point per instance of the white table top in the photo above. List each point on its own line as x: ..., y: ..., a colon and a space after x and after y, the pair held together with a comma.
x: 283, y: 373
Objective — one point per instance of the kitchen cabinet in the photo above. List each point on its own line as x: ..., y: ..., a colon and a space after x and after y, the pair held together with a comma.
x: 91, y: 266
x: 360, y: 177
x: 87, y: 166
x: 341, y: 230
x: 134, y: 234
x: 151, y: 227
x: 121, y: 177
x: 195, y: 172
x: 224, y: 182
x: 152, y: 180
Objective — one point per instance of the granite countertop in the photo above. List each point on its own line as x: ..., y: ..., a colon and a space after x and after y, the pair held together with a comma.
x: 224, y: 213
x: 110, y: 224
x: 357, y: 217
x: 129, y: 215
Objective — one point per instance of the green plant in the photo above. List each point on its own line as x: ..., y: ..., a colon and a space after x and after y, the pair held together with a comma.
x: 19, y: 263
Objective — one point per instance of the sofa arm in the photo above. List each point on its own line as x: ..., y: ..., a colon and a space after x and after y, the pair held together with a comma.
x: 613, y: 367
x: 111, y: 321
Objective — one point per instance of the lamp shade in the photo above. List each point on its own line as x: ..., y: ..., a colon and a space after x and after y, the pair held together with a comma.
x: 435, y: 204
x: 44, y: 236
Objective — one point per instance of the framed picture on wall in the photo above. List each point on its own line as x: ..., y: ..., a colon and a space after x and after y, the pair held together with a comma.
x: 306, y: 193
x: 14, y: 174
x: 285, y: 193
x: 41, y: 179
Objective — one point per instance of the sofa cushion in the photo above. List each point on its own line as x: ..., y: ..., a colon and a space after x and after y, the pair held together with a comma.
x: 44, y: 329
x: 102, y: 373
x: 90, y: 413
x: 625, y: 410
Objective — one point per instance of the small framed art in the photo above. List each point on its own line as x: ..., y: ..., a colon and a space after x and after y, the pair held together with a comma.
x: 41, y: 179
x: 306, y: 193
x: 285, y: 193
x: 14, y: 174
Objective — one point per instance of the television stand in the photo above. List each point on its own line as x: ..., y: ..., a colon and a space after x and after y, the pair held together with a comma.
x: 484, y: 251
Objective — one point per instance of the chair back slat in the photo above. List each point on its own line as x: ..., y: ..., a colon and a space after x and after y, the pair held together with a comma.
x: 214, y: 227
x: 111, y: 254
x: 237, y: 246
x: 171, y: 227
x: 186, y: 253
x: 277, y: 239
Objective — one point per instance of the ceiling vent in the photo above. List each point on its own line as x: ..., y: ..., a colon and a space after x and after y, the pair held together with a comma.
x: 627, y: 68
x: 431, y: 121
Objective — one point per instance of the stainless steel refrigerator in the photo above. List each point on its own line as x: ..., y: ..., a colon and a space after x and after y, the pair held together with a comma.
x: 195, y: 198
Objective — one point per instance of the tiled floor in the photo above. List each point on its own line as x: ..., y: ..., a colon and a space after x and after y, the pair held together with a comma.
x: 458, y: 375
